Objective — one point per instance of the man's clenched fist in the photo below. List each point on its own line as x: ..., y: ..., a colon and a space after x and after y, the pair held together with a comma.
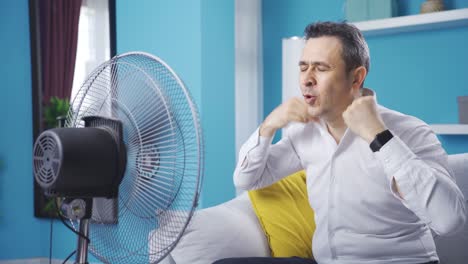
x: 363, y: 119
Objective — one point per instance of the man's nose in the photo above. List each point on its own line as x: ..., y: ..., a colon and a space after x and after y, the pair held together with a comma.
x: 309, y: 80
x: 309, y: 83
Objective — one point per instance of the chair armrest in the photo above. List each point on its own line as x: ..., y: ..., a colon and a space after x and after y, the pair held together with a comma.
x: 230, y: 229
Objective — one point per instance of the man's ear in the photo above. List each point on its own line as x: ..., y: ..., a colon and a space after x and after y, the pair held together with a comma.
x: 358, y: 75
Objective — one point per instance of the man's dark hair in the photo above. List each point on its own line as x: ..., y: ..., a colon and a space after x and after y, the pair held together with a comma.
x: 355, y: 51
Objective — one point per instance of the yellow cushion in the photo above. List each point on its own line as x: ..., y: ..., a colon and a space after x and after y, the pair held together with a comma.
x: 286, y: 217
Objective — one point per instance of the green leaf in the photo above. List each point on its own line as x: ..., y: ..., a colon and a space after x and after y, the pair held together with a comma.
x: 55, y: 108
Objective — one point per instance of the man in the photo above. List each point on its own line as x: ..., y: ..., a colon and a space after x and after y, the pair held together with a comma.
x: 378, y: 180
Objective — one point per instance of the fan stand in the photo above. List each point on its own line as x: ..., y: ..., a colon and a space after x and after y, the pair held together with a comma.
x: 82, y: 247
x: 82, y: 250
x: 79, y: 209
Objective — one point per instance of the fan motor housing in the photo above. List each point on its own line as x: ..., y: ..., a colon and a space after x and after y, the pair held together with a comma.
x: 79, y: 162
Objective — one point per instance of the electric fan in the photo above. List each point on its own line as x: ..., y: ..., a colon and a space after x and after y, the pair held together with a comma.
x: 128, y: 164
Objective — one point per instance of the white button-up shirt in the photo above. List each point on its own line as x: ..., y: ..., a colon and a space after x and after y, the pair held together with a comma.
x: 360, y: 217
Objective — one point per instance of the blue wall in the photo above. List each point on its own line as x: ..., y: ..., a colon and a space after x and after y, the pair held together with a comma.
x: 18, y: 228
x: 418, y: 73
x: 422, y: 76
x: 170, y: 30
x: 218, y: 117
x: 196, y: 38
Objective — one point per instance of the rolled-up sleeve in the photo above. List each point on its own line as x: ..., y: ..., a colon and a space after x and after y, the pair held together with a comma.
x: 419, y: 166
x: 261, y: 163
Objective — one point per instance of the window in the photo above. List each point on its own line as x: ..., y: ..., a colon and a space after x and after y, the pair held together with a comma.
x: 93, y: 46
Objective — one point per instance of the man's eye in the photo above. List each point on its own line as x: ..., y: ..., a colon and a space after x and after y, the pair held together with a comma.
x: 321, y: 69
x: 303, y: 68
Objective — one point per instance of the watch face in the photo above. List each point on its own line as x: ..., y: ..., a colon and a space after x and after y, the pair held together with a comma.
x: 380, y: 140
x: 375, y: 145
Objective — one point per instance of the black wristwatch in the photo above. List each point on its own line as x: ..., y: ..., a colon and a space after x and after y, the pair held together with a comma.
x: 381, y: 139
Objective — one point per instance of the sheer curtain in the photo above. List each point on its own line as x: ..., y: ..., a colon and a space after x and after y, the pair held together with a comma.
x: 93, y: 40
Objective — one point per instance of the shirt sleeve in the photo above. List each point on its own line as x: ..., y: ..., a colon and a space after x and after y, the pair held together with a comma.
x: 262, y: 164
x: 420, y: 170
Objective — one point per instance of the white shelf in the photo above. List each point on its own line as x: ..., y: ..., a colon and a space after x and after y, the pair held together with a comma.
x: 450, y: 129
x: 435, y: 20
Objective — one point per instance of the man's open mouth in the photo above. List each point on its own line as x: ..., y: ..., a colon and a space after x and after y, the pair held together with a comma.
x: 310, y: 99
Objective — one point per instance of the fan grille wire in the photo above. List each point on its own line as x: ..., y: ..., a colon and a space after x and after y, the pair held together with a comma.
x: 162, y: 134
x: 46, y: 159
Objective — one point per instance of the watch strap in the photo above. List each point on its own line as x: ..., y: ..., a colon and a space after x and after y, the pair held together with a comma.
x: 380, y: 140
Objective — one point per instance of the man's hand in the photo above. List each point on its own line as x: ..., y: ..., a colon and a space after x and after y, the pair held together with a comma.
x: 295, y: 109
x: 363, y: 119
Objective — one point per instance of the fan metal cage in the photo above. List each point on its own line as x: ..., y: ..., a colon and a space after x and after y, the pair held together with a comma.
x: 163, y: 139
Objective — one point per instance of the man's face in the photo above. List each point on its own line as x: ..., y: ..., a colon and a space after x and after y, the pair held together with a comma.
x: 325, y: 84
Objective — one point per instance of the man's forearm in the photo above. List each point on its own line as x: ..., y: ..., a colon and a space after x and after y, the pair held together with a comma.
x: 261, y: 163
x: 266, y: 130
x: 252, y: 159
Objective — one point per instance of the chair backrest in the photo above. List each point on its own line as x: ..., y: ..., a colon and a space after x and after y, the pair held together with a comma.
x: 454, y: 249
